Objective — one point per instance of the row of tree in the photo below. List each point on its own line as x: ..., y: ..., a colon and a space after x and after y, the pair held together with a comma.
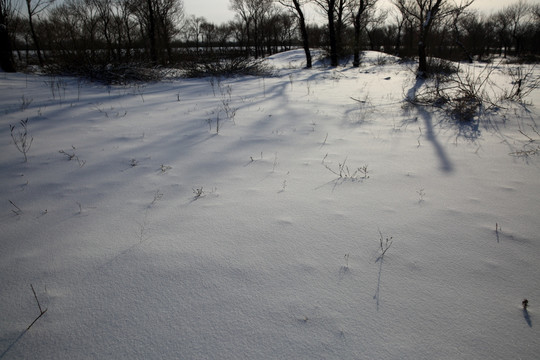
x: 76, y: 32
x: 443, y: 28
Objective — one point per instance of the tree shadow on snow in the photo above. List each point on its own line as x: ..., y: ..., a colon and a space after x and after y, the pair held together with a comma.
x: 13, y: 344
x: 446, y: 164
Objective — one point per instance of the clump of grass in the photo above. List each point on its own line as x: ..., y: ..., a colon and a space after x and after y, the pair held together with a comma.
x: 343, y: 172
x: 198, y: 193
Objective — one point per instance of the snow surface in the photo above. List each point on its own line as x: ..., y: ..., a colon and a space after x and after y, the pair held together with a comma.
x: 162, y: 239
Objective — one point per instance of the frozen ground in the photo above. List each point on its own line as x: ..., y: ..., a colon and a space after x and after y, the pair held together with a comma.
x: 148, y: 235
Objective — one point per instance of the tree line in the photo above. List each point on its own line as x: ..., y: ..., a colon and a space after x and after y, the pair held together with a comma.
x: 159, y: 32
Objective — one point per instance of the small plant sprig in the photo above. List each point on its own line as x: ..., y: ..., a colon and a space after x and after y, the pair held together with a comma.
x: 526, y: 153
x: 142, y: 233
x: 324, y: 142
x: 213, y: 81
x: 225, y: 106
x: 17, y: 210
x: 421, y: 193
x: 384, y: 245
x: 157, y: 197
x: 21, y: 139
x: 140, y: 90
x: 283, y: 186
x: 217, y: 122
x: 72, y: 155
x: 364, y: 171
x: 57, y: 87
x: 343, y: 171
x: 199, y: 192
x: 164, y: 168
x: 25, y: 102
x: 230, y: 112
x: 530, y: 148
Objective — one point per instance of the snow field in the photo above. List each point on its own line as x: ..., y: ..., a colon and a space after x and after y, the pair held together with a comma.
x: 162, y: 238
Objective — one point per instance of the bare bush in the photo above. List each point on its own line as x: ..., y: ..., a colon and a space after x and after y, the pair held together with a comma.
x: 439, y: 67
x: 462, y: 94
x: 227, y: 67
x: 523, y: 81
x: 111, y: 73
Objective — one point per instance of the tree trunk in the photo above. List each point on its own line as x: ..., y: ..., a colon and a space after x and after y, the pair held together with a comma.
x: 304, y: 33
x: 6, y: 54
x: 465, y: 51
x: 422, y: 60
x: 152, y: 32
x: 425, y: 27
x: 332, y: 34
x: 397, y: 49
x: 356, y: 47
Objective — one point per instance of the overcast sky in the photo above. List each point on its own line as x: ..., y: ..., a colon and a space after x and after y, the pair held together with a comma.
x: 217, y: 11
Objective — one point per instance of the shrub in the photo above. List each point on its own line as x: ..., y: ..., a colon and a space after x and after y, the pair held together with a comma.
x: 201, y: 66
x: 441, y: 67
x: 110, y: 73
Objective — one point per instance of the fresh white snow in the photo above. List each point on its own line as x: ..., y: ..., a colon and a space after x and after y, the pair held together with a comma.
x: 162, y: 239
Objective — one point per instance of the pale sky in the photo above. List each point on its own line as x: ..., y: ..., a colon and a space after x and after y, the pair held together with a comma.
x: 217, y: 11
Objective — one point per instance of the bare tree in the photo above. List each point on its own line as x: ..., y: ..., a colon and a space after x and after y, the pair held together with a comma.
x: 252, y: 13
x: 194, y: 29
x: 296, y: 7
x: 423, y: 14
x: 66, y: 31
x: 224, y: 34
x: 337, y: 16
x: 328, y: 7
x: 476, y: 33
x: 6, y: 55
x: 519, y: 19
x: 457, y: 29
x: 158, y: 21
x: 89, y: 23
x: 104, y: 12
x: 501, y: 25
x: 208, y: 32
x: 242, y: 11
x: 360, y: 11
x: 400, y: 25
x: 170, y: 14
x: 34, y: 7
x: 124, y: 25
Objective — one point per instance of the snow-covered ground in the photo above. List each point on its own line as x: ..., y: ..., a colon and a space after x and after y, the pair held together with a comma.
x: 147, y: 234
